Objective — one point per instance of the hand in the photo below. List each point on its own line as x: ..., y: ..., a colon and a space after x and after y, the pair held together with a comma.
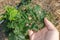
x: 47, y: 33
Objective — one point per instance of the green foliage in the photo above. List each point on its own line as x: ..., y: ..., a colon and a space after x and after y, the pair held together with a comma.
x: 1, y: 17
x: 11, y: 12
x: 25, y: 1
x: 20, y: 21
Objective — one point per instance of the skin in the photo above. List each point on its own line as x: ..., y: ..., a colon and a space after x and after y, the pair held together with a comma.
x: 47, y: 33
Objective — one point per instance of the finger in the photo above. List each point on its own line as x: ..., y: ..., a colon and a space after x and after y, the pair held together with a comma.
x: 49, y: 25
x: 30, y: 32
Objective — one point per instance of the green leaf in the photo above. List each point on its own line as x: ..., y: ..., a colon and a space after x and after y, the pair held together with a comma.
x: 11, y: 12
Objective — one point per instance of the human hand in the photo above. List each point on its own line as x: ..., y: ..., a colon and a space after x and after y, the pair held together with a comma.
x: 47, y: 33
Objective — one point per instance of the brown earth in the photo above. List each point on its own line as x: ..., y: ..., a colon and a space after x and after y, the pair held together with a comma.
x: 52, y: 6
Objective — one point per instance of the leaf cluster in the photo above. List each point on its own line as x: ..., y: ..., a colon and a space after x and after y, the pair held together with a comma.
x: 19, y: 21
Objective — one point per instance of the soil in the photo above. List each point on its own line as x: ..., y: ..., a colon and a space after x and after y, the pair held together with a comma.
x: 52, y: 6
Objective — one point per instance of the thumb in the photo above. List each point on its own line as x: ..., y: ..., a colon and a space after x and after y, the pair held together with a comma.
x: 30, y: 32
x: 49, y: 25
